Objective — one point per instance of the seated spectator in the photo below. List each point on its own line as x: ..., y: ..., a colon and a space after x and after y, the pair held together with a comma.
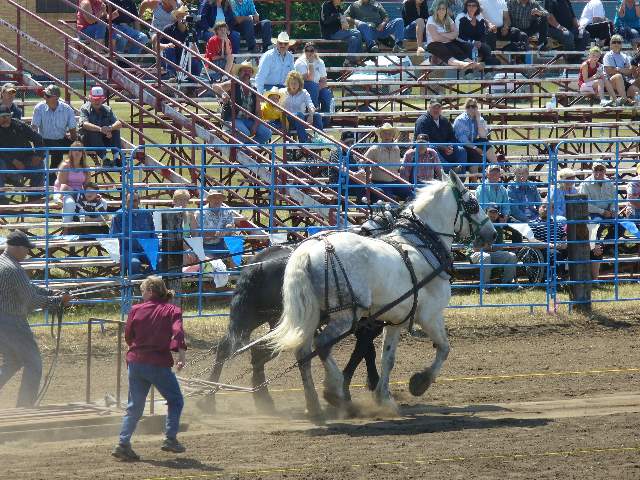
x: 492, y: 192
x: 524, y: 198
x: 387, y: 155
x: 551, y: 231
x: 248, y: 24
x: 529, y: 17
x: 415, y: 14
x: 618, y: 69
x: 298, y: 101
x: 564, y: 27
x: 442, y: 42
x: 100, y: 127
x: 473, y: 29
x: 371, y: 19
x: 439, y: 130
x: 91, y: 207
x: 334, y: 26
x: 594, y: 20
x: 275, y: 65
x: 219, y: 51
x: 421, y: 164
x: 499, y: 26
x: 172, y: 51
x: 472, y: 130
x: 566, y: 186
x: 131, y: 252
x: 213, y: 220
x: 269, y: 113
x: 627, y: 20
x: 181, y: 199
x: 494, y: 257
x: 213, y: 12
x: 635, y: 61
x: 592, y: 80
x: 56, y: 123
x: 602, y: 195
x: 17, y: 134
x: 312, y: 69
x: 71, y: 181
x: 128, y: 26
x: 162, y: 12
x: 455, y: 7
x: 88, y: 17
x: 7, y: 98
x: 245, y: 103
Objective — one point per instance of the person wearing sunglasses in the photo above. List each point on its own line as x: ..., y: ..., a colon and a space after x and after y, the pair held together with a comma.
x: 473, y: 29
x: 618, y: 69
x: 314, y: 72
x: 472, y: 131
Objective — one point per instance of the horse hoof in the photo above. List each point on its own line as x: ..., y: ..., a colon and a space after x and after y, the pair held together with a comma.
x: 317, y: 418
x: 265, y: 405
x: 333, y: 399
x: 419, y: 383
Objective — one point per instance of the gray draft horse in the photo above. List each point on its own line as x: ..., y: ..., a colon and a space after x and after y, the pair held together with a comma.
x: 257, y: 300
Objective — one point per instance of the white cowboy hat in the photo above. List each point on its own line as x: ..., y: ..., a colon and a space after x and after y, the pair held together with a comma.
x: 387, y: 127
x: 283, y: 37
x: 235, y: 70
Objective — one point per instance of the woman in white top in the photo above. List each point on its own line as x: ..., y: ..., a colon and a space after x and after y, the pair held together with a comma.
x: 618, y: 69
x: 441, y: 39
x: 298, y: 101
x: 314, y: 73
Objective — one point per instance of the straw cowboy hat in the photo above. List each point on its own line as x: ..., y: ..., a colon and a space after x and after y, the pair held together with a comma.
x: 283, y: 37
x: 180, y: 12
x: 235, y: 70
x: 214, y: 194
x: 274, y: 92
x: 386, y: 128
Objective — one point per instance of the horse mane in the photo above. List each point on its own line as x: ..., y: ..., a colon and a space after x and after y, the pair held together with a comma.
x: 427, y: 194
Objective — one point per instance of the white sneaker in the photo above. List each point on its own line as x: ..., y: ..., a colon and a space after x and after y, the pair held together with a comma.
x: 606, y: 103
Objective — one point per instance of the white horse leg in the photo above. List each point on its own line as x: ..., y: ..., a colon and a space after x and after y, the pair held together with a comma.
x: 381, y: 393
x: 421, y: 381
x: 314, y: 411
x: 334, y: 380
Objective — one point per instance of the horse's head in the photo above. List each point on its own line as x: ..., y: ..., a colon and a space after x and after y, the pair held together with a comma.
x: 471, y: 222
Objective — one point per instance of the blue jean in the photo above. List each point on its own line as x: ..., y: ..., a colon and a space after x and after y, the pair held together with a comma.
x: 122, y: 42
x: 570, y: 39
x: 458, y: 158
x: 263, y: 134
x: 171, y: 55
x: 391, y: 189
x: 97, y: 31
x: 97, y: 139
x: 141, y: 377
x: 248, y: 30
x: 234, y: 38
x: 628, y: 33
x: 303, y: 136
x: 395, y: 27
x: 410, y: 31
x: 353, y: 38
x: 321, y: 98
x: 18, y: 350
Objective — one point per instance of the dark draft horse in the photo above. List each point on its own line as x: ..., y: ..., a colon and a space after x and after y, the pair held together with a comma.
x: 257, y: 300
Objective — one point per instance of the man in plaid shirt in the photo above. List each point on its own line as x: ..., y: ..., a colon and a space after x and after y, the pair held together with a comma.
x: 530, y: 17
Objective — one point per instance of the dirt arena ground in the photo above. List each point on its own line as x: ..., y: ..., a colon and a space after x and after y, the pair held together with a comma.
x: 535, y: 397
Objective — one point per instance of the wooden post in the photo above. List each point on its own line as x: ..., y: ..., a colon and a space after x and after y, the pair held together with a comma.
x: 172, y: 241
x: 579, y: 252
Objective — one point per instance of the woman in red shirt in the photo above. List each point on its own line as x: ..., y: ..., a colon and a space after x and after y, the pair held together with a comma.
x: 153, y: 331
x: 592, y: 80
x: 219, y: 51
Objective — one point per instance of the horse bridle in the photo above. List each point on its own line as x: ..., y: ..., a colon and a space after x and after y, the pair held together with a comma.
x: 465, y: 210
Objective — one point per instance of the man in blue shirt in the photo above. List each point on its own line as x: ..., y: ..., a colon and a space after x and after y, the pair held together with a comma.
x: 248, y: 24
x: 492, y: 192
x: 275, y: 65
x: 141, y: 227
x: 524, y: 198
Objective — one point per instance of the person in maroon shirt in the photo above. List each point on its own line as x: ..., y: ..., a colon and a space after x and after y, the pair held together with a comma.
x: 153, y: 331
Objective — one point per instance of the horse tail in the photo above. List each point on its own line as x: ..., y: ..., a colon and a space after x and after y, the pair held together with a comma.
x: 300, y: 313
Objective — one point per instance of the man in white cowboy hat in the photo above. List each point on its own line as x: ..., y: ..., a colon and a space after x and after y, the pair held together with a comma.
x: 244, y: 101
x: 387, y: 155
x: 275, y: 65
x: 214, y: 219
x: 172, y: 51
x: 248, y: 24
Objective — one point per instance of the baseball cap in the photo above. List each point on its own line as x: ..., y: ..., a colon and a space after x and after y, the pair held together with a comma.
x: 97, y: 93
x: 52, y: 91
x: 5, y: 111
x: 18, y: 238
x: 493, y: 208
x: 598, y: 165
x: 422, y: 138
